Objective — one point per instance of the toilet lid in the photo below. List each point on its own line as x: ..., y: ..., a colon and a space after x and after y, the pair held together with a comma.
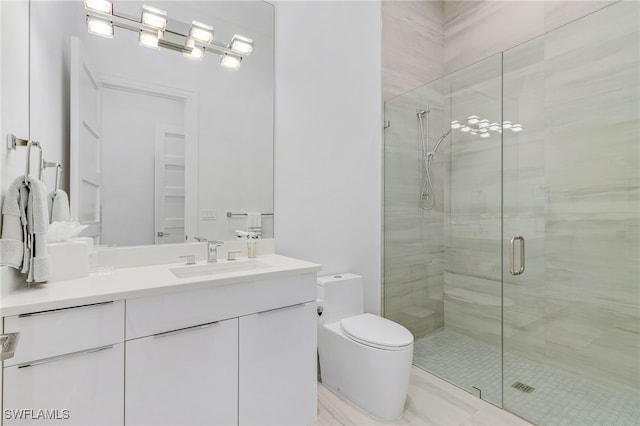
x: 372, y: 330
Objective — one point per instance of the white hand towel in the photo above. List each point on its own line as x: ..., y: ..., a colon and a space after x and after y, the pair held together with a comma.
x: 58, y: 206
x: 14, y: 226
x: 254, y: 223
x: 39, y: 268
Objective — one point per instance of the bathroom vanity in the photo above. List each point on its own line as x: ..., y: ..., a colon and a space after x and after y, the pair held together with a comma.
x: 223, y: 344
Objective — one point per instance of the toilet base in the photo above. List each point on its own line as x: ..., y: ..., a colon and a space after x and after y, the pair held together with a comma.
x: 376, y: 380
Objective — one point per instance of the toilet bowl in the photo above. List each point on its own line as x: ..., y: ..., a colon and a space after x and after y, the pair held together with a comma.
x: 363, y: 357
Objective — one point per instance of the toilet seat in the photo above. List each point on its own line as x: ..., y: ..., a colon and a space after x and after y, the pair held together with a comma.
x: 372, y: 330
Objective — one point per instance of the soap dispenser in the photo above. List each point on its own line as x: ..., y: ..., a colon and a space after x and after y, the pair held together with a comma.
x: 251, y: 247
x: 251, y: 242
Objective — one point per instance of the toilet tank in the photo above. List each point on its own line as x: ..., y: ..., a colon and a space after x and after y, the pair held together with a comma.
x: 341, y: 296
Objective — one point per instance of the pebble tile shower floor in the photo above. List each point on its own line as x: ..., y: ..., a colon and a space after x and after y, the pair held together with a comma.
x: 558, y: 398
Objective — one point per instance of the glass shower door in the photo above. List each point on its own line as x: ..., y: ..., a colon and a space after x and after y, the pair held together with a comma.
x: 442, y: 228
x: 572, y: 191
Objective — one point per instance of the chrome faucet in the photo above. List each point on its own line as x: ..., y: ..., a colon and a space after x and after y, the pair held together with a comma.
x: 212, y: 248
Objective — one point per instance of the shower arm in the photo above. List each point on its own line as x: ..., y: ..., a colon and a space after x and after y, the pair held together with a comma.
x: 442, y: 138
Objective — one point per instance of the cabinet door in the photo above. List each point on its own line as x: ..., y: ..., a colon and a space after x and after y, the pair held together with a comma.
x: 184, y: 377
x: 83, y: 388
x: 278, y: 366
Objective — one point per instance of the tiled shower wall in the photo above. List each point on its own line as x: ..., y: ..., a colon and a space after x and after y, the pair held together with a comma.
x: 571, y: 188
x: 421, y: 41
x: 413, y: 243
x: 580, y: 309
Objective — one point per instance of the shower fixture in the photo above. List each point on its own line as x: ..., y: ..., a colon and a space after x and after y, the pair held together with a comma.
x: 427, y: 199
x: 155, y: 30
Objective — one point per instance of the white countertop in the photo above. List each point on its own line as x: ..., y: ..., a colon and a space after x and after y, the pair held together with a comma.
x: 134, y: 282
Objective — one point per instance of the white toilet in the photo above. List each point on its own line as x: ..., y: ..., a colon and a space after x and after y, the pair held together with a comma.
x: 364, y: 357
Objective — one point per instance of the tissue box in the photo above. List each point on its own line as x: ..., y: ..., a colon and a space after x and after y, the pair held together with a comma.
x: 69, y: 260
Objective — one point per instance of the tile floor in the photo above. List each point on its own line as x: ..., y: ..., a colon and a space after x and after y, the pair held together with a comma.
x: 431, y: 402
x: 559, y: 398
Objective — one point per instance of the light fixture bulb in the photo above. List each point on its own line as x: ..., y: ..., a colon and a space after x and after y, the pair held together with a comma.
x: 99, y: 27
x: 465, y: 129
x: 230, y: 61
x: 474, y: 132
x: 484, y: 135
x: 494, y: 127
x: 154, y: 17
x: 193, y: 51
x: 483, y: 123
x: 149, y: 39
x: 455, y: 124
x: 506, y: 124
x: 473, y: 119
x: 242, y: 45
x: 201, y: 32
x: 516, y: 128
x: 102, y: 6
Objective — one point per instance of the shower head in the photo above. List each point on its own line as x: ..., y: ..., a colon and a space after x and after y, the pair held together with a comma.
x: 442, y: 138
x: 421, y: 112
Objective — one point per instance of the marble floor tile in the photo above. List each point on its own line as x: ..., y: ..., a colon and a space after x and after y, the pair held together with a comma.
x: 431, y: 402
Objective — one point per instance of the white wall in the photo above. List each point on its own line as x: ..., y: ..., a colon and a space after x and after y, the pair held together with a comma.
x: 328, y: 137
x: 14, y: 87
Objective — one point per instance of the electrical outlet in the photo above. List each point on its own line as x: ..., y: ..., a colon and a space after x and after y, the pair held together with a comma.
x: 208, y: 214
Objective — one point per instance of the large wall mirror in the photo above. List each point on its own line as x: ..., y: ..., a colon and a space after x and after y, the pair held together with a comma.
x: 156, y: 147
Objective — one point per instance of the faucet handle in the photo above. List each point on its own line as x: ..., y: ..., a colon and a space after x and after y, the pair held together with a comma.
x: 200, y: 239
x: 191, y: 259
x: 232, y: 255
x: 216, y: 243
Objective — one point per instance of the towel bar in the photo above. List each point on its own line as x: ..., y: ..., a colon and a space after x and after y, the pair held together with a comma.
x: 13, y: 142
x: 230, y: 214
x: 28, y: 165
x: 58, y: 166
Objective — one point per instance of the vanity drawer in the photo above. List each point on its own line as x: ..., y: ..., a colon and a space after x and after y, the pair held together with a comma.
x: 157, y: 314
x: 61, y: 331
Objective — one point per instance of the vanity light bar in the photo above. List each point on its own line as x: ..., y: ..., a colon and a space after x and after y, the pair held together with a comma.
x: 153, y: 32
x: 154, y: 17
x: 102, y: 6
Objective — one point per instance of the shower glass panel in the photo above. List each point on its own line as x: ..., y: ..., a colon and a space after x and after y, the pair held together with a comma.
x: 512, y: 223
x: 572, y: 190
x: 442, y: 225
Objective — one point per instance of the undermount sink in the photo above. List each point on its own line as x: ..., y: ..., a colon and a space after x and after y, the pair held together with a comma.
x: 222, y: 267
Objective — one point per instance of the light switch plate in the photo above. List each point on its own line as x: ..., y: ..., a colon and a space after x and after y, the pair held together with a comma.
x: 208, y: 214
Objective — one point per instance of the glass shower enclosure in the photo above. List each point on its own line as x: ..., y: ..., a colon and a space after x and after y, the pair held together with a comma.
x: 512, y: 223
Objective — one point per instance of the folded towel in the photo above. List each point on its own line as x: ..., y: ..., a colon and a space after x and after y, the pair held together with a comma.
x: 58, y: 206
x: 24, y: 229
x: 38, y: 267
x: 254, y: 223
x: 14, y: 225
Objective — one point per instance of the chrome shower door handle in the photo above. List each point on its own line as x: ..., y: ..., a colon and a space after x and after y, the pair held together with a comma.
x: 512, y: 255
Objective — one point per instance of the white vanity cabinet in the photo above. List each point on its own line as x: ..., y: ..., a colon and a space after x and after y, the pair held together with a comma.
x: 277, y: 371
x: 68, y: 367
x: 184, y: 377
x: 228, y: 350
x: 253, y: 364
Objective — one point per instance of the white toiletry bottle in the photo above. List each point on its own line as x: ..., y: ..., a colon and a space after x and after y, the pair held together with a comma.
x: 251, y: 248
x: 251, y: 242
